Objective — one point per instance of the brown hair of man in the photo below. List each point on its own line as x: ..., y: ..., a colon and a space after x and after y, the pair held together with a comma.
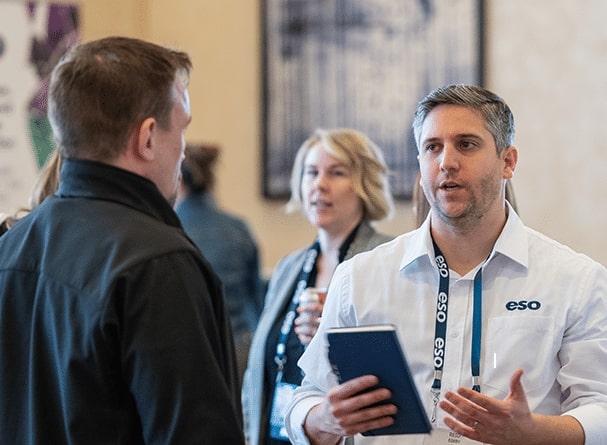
x: 100, y: 91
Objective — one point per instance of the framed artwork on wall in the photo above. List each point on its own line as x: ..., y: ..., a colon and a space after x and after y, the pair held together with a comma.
x: 361, y: 64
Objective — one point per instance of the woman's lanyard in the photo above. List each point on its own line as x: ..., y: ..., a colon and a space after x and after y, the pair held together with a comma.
x: 440, y: 328
x: 304, y: 277
x: 304, y: 281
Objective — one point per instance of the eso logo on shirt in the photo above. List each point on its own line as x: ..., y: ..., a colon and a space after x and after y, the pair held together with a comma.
x: 521, y: 305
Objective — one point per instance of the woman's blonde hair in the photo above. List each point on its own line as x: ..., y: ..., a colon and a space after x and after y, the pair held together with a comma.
x: 365, y: 162
x: 47, y: 184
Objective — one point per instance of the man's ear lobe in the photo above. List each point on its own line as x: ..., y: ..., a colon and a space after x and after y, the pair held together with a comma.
x: 145, y: 138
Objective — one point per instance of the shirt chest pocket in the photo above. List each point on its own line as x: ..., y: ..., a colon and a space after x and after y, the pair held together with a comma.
x: 526, y: 342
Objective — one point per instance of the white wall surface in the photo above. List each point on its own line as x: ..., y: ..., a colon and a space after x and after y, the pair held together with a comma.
x: 548, y: 59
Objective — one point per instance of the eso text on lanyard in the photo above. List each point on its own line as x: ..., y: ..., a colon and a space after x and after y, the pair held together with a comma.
x: 440, y: 328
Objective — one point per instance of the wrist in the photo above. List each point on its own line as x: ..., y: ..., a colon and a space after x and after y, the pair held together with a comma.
x: 315, y: 429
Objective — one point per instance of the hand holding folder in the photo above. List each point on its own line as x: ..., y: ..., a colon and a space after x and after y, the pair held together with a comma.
x: 375, y: 349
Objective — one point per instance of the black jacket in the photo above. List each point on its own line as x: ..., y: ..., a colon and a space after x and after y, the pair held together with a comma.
x: 112, y: 325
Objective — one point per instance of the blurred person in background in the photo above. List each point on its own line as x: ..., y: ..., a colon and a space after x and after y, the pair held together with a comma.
x: 340, y: 182
x: 225, y: 240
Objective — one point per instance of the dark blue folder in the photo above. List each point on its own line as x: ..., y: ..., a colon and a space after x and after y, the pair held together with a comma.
x: 375, y: 349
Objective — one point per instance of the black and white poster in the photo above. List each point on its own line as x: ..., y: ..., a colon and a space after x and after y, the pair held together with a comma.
x: 362, y: 64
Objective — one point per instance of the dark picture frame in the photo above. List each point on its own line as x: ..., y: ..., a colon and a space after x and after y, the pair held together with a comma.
x: 361, y: 64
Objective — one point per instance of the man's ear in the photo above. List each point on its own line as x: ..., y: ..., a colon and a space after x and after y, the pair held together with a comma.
x: 145, y: 139
x: 510, y: 155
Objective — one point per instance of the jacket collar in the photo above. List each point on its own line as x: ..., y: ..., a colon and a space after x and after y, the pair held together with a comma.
x: 81, y: 178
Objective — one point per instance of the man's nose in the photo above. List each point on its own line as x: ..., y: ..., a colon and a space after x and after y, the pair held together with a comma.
x: 449, y: 159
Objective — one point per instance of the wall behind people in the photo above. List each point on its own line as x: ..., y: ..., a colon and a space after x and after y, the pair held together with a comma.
x: 553, y: 80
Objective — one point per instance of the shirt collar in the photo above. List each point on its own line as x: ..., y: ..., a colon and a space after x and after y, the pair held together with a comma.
x: 419, y: 247
x: 511, y: 243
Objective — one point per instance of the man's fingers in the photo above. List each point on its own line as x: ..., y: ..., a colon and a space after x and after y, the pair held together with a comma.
x: 354, y: 386
x: 516, y: 386
x: 357, y: 407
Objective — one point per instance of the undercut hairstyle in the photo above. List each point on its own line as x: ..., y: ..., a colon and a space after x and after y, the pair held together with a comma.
x: 102, y: 90
x: 496, y: 114
x: 363, y: 159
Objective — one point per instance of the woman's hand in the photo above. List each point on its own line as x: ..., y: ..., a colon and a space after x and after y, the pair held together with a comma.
x: 311, y: 303
x: 306, y: 323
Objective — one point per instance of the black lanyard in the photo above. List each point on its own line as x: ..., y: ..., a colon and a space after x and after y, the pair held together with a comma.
x: 440, y: 328
x: 304, y: 277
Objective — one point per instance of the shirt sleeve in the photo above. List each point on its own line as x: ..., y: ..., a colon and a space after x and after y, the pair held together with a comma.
x: 583, y: 356
x: 300, y: 410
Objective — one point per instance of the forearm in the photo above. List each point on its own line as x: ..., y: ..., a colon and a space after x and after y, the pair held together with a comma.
x: 556, y: 430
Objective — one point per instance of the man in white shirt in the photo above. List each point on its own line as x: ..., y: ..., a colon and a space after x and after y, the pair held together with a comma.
x: 532, y: 369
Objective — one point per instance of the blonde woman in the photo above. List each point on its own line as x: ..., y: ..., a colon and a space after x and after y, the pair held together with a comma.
x: 340, y: 182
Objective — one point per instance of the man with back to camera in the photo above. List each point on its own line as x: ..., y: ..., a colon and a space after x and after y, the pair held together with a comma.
x: 532, y: 371
x: 112, y: 325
